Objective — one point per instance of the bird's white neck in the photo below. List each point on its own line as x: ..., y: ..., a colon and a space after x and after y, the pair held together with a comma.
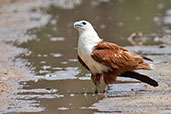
x: 87, y: 42
x: 89, y: 37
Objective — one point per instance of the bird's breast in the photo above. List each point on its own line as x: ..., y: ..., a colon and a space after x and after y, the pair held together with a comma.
x: 84, y: 51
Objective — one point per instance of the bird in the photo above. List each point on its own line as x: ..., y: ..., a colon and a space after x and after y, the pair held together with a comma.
x: 107, y: 60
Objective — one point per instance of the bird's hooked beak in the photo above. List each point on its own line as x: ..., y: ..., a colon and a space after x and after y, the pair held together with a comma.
x: 77, y: 25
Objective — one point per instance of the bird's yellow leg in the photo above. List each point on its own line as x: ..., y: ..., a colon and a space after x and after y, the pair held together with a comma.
x: 106, y: 88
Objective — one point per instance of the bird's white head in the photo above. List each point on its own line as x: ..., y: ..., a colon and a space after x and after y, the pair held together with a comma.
x: 87, y: 33
x: 83, y: 25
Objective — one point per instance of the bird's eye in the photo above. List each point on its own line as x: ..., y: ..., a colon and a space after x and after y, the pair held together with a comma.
x: 84, y: 23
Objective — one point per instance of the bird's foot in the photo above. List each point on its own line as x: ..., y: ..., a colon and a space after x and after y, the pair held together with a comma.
x: 96, y: 91
x: 105, y: 91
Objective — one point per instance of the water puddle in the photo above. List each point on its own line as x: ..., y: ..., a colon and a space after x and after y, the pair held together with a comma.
x: 56, y: 96
x: 61, y: 84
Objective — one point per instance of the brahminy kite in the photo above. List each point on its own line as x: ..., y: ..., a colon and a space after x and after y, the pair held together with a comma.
x: 108, y: 60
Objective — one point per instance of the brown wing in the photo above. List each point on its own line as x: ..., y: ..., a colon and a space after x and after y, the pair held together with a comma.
x: 80, y: 60
x: 115, y: 57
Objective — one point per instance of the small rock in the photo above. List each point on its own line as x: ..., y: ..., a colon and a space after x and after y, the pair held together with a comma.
x: 162, y: 46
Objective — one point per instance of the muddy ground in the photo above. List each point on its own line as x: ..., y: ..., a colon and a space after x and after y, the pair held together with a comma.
x: 145, y: 99
x: 15, y: 20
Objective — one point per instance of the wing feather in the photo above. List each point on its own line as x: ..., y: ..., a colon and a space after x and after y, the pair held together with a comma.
x: 114, y: 56
x: 81, y: 61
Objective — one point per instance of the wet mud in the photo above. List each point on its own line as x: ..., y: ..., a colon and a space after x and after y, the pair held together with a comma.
x: 39, y: 71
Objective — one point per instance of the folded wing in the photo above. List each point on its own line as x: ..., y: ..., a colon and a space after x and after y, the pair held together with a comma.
x: 115, y: 57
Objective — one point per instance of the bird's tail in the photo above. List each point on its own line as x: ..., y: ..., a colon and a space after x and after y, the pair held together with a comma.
x: 145, y: 66
x: 140, y: 77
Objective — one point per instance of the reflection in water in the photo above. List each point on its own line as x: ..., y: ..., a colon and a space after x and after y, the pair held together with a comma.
x: 63, y: 86
x: 60, y: 95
